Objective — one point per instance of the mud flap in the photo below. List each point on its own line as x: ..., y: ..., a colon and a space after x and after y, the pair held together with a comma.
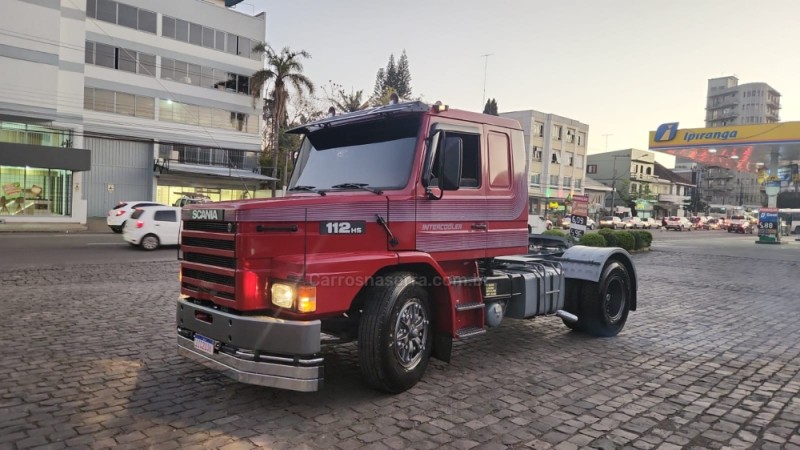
x: 442, y: 346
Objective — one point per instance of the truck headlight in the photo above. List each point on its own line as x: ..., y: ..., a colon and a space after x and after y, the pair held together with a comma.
x: 283, y: 295
x: 302, y: 298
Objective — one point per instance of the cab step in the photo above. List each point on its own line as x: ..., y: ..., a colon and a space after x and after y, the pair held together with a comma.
x: 469, y: 332
x: 470, y: 306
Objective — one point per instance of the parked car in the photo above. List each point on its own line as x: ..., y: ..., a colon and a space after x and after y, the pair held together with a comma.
x: 590, y: 224
x: 612, y: 222
x: 633, y: 222
x: 698, y: 222
x: 679, y: 223
x: 740, y: 224
x: 713, y: 224
x: 565, y: 222
x: 191, y: 200
x: 118, y: 215
x: 650, y: 223
x: 538, y: 224
x: 154, y: 226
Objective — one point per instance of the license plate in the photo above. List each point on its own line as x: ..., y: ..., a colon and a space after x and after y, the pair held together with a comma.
x: 204, y: 344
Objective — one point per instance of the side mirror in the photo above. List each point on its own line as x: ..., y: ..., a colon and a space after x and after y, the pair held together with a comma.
x: 450, y: 162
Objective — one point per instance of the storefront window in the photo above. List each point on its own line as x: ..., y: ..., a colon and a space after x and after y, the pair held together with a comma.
x: 28, y: 191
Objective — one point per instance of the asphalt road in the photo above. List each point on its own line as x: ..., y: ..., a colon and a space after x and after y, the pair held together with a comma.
x: 25, y: 250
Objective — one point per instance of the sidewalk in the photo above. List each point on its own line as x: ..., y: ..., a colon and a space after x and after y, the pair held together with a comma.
x: 93, y: 225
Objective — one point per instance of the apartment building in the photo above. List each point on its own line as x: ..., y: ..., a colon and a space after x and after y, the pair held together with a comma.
x: 125, y: 100
x: 556, y: 147
x: 731, y: 103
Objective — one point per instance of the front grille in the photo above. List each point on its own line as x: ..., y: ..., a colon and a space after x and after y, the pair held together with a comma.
x: 208, y: 276
x: 209, y: 243
x: 217, y: 227
x: 210, y: 260
x: 192, y: 287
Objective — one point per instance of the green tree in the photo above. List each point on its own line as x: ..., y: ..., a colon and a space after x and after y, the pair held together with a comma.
x: 403, y: 83
x: 284, y: 71
x: 491, y: 107
x: 396, y: 77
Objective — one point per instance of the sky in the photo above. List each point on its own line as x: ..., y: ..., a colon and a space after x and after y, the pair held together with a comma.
x: 621, y: 66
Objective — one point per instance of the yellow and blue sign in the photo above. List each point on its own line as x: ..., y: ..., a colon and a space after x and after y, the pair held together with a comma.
x: 668, y: 136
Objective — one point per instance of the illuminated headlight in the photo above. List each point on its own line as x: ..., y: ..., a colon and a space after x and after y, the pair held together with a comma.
x: 291, y: 296
x: 283, y: 295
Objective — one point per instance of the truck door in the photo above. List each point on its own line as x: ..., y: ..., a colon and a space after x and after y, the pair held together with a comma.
x: 506, y: 193
x: 455, y: 225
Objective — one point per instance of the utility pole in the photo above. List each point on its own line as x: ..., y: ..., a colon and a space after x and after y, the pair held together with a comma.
x: 614, y: 180
x: 485, y: 71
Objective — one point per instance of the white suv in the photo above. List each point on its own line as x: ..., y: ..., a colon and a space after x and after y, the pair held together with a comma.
x: 153, y: 226
x: 120, y: 213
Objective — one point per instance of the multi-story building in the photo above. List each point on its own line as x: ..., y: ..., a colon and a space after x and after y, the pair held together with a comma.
x: 634, y: 175
x: 731, y: 103
x: 157, y: 92
x: 556, y: 147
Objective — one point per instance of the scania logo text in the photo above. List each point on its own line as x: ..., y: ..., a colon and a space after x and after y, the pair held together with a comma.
x: 206, y: 214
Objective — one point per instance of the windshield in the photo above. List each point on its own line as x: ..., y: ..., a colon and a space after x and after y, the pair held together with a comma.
x: 377, y: 153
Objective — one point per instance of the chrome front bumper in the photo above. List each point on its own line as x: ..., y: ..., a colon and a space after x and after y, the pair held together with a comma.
x: 259, y: 350
x: 306, y: 377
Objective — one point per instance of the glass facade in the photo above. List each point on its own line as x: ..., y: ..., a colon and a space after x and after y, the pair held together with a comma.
x: 29, y: 191
x: 168, y: 195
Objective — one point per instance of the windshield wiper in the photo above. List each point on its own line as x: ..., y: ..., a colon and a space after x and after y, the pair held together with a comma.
x: 363, y: 186
x: 307, y: 189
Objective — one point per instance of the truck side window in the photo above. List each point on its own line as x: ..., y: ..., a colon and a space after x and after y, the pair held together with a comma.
x: 471, y: 166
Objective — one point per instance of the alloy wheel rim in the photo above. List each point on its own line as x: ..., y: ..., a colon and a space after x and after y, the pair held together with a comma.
x: 149, y: 243
x: 411, y: 333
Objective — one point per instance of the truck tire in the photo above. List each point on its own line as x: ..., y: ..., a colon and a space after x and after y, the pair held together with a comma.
x: 395, y: 333
x: 604, y: 306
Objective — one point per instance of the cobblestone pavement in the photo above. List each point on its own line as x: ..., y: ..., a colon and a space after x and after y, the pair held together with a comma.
x: 710, y: 360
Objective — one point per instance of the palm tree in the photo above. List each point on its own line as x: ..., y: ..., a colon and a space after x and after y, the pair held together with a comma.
x: 283, y: 70
x: 349, y: 102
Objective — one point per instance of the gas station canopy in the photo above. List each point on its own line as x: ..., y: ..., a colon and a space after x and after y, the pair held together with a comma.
x: 745, y: 148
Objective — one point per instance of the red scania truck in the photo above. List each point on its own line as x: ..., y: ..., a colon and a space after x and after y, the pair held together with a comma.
x: 404, y: 228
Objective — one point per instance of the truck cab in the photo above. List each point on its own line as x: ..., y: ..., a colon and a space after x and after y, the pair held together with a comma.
x: 399, y: 230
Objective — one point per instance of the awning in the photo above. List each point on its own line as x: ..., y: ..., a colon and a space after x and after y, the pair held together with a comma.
x: 213, y: 171
x: 43, y: 157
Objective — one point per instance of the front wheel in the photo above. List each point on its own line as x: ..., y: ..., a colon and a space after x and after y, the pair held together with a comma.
x: 394, y: 335
x: 603, y: 307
